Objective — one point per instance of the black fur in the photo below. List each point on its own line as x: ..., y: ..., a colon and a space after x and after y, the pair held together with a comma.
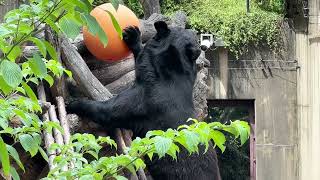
x: 160, y: 99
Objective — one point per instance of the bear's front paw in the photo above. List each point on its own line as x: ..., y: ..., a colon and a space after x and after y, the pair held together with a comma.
x: 73, y: 107
x: 131, y: 35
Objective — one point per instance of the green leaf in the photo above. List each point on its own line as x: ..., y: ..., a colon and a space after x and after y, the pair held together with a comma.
x: 4, y: 31
x: 34, y: 80
x: 232, y: 130
x: 16, y: 52
x: 38, y: 66
x: 37, y: 138
x: 150, y: 155
x: 115, y: 24
x: 22, y: 114
x: 154, y: 133
x: 189, y: 140
x: 162, y: 145
x: 6, y: 89
x: 11, y: 73
x: 14, y: 154
x: 103, y: 37
x: 3, y: 123
x: 4, y: 45
x: 4, y: 157
x: 243, y: 128
x: 219, y: 139
x: 94, y: 28
x: 86, y: 177
x: 69, y: 73
x: 14, y: 173
x: 28, y: 144
x: 88, y: 4
x: 173, y: 151
x: 40, y: 44
x: 50, y: 124
x: 70, y: 27
x: 94, y: 154
x: 43, y: 154
x: 118, y: 177
x: 29, y: 92
x: 115, y: 4
x: 83, y: 5
x: 21, y: 90
x: 139, y: 164
x: 49, y: 79
x: 53, y: 25
x: 51, y: 50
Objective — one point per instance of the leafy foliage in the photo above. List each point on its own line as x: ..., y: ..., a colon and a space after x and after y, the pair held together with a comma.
x: 157, y: 142
x: 135, y: 6
x: 17, y: 99
x: 271, y: 5
x: 229, y: 20
x: 234, y: 162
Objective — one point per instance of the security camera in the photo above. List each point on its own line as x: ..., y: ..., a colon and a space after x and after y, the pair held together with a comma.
x: 206, y: 41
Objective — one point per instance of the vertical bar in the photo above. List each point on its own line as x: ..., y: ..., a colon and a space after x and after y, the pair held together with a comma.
x: 248, y: 6
x: 223, y: 68
x: 252, y: 143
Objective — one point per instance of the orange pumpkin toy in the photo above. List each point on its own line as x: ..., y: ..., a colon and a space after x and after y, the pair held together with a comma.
x: 116, y: 48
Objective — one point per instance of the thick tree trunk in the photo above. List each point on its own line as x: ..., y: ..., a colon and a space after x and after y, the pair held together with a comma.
x: 200, y: 89
x: 150, y: 7
x: 59, y: 88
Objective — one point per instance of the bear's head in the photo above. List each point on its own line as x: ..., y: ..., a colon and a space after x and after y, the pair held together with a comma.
x: 177, y: 47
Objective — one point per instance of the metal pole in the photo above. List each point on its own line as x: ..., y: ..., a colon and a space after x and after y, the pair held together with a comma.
x: 248, y: 6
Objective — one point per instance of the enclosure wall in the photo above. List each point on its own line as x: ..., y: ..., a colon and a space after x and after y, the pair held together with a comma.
x: 272, y: 84
x: 308, y: 56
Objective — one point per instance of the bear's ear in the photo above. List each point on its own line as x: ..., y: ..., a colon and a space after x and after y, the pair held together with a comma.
x: 161, y: 27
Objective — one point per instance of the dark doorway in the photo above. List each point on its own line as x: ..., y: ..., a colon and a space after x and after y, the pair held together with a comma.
x: 236, y: 163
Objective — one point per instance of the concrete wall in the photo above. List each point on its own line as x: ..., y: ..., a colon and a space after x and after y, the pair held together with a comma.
x: 308, y: 56
x: 272, y: 84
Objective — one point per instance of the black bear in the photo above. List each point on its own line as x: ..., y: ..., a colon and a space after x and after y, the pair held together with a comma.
x: 161, y: 98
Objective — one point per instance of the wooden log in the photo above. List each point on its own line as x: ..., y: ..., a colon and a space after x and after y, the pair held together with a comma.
x: 63, y: 119
x: 48, y: 138
x: 120, y: 141
x: 56, y: 133
x: 122, y: 83
x: 59, y: 88
x: 44, y: 106
x: 64, y: 124
x: 110, y: 73
x: 82, y: 74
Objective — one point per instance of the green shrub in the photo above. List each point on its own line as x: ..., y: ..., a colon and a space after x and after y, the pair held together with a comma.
x: 230, y: 20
